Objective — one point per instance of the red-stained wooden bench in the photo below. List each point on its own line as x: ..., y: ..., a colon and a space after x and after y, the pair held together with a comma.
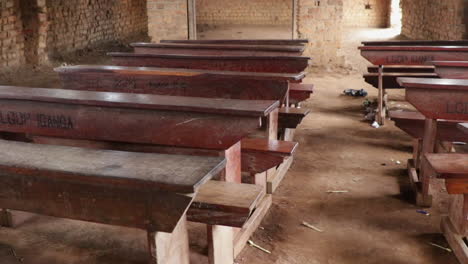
x: 217, y: 49
x: 402, y: 69
x: 413, y: 124
x: 451, y: 69
x: 435, y: 99
x: 416, y: 43
x: 453, y: 168
x: 243, y: 41
x: 411, y: 55
x: 276, y: 64
x: 299, y: 92
x: 390, y: 78
x: 135, y: 122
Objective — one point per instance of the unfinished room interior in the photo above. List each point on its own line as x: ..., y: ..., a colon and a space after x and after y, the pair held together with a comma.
x: 234, y: 131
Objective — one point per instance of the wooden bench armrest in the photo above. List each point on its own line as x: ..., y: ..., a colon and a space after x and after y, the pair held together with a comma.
x: 225, y: 203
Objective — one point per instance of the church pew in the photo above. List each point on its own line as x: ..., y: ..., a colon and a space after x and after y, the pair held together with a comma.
x: 390, y: 78
x: 134, y: 119
x: 416, y: 43
x: 146, y: 191
x: 402, y: 68
x: 413, y: 124
x: 451, y: 69
x: 383, y: 55
x: 435, y: 99
x: 453, y: 168
x: 243, y: 41
x: 217, y: 49
x: 277, y: 64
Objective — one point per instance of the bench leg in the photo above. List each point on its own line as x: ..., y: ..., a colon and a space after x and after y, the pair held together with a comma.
x: 428, y: 146
x: 220, y: 244
x: 455, y: 226
x: 232, y: 172
x: 6, y: 218
x: 381, y: 113
x: 170, y: 248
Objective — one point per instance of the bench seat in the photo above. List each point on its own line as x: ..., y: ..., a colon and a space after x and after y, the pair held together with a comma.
x: 260, y: 155
x: 102, y: 186
x: 289, y: 117
x: 225, y: 203
x: 299, y: 92
x: 412, y: 122
x: 390, y: 78
x: 402, y: 68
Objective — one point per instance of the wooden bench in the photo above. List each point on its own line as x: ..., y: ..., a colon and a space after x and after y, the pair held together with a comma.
x: 299, y: 92
x: 454, y: 169
x: 277, y: 64
x: 451, y: 69
x: 411, y: 55
x: 416, y: 43
x: 435, y: 99
x: 390, y: 78
x: 413, y: 124
x: 135, y: 120
x: 217, y: 49
x: 402, y: 69
x: 146, y: 191
x: 243, y: 41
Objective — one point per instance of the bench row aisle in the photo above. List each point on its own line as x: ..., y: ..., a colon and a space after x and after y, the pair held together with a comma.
x: 174, y: 132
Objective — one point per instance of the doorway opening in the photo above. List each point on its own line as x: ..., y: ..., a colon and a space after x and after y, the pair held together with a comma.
x: 33, y: 18
x: 396, y: 16
x: 240, y: 19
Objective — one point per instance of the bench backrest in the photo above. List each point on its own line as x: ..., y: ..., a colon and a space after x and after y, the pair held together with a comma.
x: 276, y: 64
x: 134, y: 118
x: 178, y: 82
x: 416, y: 43
x: 217, y: 49
x: 243, y: 41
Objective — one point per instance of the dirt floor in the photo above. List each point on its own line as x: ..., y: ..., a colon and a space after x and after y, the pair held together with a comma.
x: 375, y: 221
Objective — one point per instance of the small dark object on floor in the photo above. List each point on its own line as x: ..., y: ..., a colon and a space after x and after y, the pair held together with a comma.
x: 356, y: 93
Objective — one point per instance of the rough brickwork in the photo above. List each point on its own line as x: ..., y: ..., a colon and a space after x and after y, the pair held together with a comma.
x: 77, y: 24
x: 366, y: 13
x: 167, y: 19
x: 433, y: 20
x: 244, y: 12
x: 11, y: 42
x: 321, y: 21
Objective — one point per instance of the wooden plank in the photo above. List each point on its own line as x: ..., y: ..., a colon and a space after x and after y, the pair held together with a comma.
x: 438, y: 98
x: 244, y: 234
x: 449, y: 165
x: 178, y: 82
x: 283, y: 64
x: 243, y: 41
x: 225, y: 203
x: 291, y: 117
x: 170, y: 248
x: 274, y: 179
x: 412, y: 55
x: 413, y: 124
x: 416, y: 43
x: 177, y: 173
x: 220, y: 244
x: 455, y: 240
x: 147, y: 125
x: 390, y: 79
x: 217, y: 49
x: 402, y: 69
x: 299, y: 92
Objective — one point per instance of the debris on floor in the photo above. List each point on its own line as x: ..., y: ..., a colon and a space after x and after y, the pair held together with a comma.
x: 375, y: 124
x: 252, y: 244
x: 304, y: 223
x: 441, y: 247
x: 424, y: 212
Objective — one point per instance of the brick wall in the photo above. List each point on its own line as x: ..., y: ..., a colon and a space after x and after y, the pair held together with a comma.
x: 167, y: 19
x: 77, y: 24
x: 433, y: 20
x: 321, y: 21
x: 11, y: 42
x: 244, y: 12
x: 358, y: 14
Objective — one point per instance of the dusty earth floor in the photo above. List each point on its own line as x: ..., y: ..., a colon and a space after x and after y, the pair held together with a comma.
x: 374, y: 222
